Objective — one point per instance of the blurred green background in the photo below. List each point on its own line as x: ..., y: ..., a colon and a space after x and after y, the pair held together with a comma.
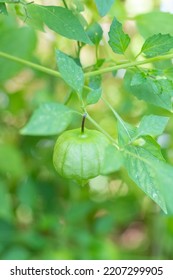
x: 43, y: 216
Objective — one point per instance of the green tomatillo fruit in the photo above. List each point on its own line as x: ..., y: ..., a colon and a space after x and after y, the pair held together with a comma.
x: 80, y: 155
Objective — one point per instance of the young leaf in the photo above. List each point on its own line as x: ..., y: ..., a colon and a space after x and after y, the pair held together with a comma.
x: 93, y: 96
x: 157, y: 44
x: 95, y: 33
x: 60, y: 20
x: 118, y: 40
x: 103, y: 6
x: 113, y: 160
x: 71, y: 72
x: 3, y: 9
x: 152, y: 125
x: 158, y: 92
x: 48, y: 119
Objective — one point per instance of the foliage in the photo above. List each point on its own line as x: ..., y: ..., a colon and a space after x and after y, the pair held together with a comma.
x: 42, y: 214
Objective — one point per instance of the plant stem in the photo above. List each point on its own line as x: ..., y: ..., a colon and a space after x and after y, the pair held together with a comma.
x: 83, y: 123
x: 112, y: 109
x: 129, y: 64
x: 32, y: 65
x: 89, y: 74
x: 102, y: 130
x: 117, y: 116
x: 65, y: 4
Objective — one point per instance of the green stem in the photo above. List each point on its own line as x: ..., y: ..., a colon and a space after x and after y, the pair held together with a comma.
x: 89, y: 74
x: 112, y: 109
x: 129, y: 64
x: 117, y: 116
x: 65, y: 4
x: 102, y: 130
x: 97, y: 126
x: 32, y: 65
x: 83, y: 123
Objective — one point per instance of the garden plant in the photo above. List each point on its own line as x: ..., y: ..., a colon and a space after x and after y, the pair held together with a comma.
x: 91, y: 112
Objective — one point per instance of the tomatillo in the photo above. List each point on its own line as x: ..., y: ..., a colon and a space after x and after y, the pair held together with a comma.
x: 79, y: 155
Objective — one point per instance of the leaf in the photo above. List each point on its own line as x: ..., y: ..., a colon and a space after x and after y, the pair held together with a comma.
x: 153, y: 147
x: 94, y: 96
x: 48, y: 119
x: 71, y: 72
x: 60, y: 20
x: 140, y: 163
x: 19, y: 42
x: 165, y: 179
x: 138, y: 78
x: 126, y: 132
x: 3, y: 9
x: 154, y: 91
x: 118, y: 40
x: 95, y: 82
x: 152, y: 125
x: 95, y: 33
x: 157, y: 44
x: 103, y: 6
x: 154, y: 22
x: 112, y: 161
x: 142, y: 169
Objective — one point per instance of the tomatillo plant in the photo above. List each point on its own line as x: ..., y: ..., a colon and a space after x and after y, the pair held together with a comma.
x: 82, y: 155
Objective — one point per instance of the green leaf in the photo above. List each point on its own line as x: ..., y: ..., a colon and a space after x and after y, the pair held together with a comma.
x: 140, y: 162
x: 19, y: 42
x: 103, y: 6
x: 71, y: 72
x: 152, y: 125
x: 95, y: 82
x: 154, y: 22
x: 113, y: 160
x: 94, y: 96
x: 126, y: 132
x: 151, y: 145
x: 165, y: 179
x: 118, y: 40
x: 154, y: 91
x: 60, y: 20
x: 3, y: 9
x: 95, y: 33
x: 142, y: 169
x: 138, y: 78
x: 48, y: 119
x: 157, y: 44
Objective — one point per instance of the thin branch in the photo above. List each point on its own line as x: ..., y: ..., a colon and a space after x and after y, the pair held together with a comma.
x: 92, y: 73
x: 30, y: 64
